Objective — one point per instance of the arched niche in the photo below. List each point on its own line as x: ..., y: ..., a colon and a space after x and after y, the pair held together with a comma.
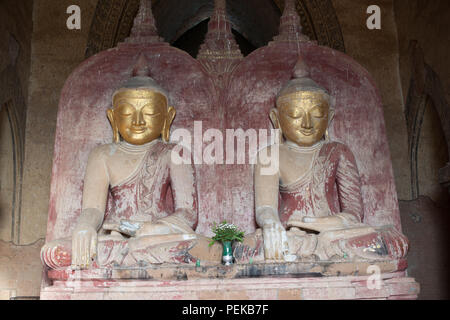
x: 6, y: 175
x: 432, y: 155
x: 425, y: 91
x: 12, y: 127
x: 255, y: 20
x: 425, y: 219
x: 10, y: 173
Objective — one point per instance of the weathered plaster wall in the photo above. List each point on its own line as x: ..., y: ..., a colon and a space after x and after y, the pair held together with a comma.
x: 6, y: 177
x: 15, y: 57
x: 377, y: 51
x: 426, y: 22
x: 56, y: 51
x: 428, y: 229
x: 15, y: 21
x: 19, y: 274
x: 426, y: 220
x: 20, y: 270
x: 48, y: 53
x: 431, y: 156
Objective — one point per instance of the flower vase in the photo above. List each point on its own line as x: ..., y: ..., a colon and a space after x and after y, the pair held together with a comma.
x: 227, y: 254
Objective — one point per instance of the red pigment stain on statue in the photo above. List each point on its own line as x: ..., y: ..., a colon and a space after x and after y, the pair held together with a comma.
x: 104, y: 283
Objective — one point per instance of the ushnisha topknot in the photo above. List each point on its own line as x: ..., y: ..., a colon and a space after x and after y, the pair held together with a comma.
x: 141, y: 79
x: 301, y: 81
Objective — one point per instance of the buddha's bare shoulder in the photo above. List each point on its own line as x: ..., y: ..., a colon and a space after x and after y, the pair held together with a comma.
x: 103, y: 151
x: 268, y: 150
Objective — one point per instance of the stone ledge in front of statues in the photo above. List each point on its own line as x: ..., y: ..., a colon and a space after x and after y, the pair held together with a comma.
x: 239, y: 270
x: 391, y: 286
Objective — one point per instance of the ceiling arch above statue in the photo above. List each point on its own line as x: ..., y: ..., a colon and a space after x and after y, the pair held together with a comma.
x: 256, y: 20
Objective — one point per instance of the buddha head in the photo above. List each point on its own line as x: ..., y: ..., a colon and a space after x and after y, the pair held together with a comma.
x: 141, y: 111
x: 303, y: 109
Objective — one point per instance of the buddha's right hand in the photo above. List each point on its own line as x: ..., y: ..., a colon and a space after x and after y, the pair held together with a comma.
x: 84, y: 246
x: 275, y: 238
x: 275, y: 241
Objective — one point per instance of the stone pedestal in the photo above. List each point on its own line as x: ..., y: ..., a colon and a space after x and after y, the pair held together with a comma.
x: 304, y: 280
x: 391, y: 286
x: 169, y: 272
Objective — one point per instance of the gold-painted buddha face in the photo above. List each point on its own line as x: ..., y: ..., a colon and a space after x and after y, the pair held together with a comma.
x: 140, y: 116
x: 302, y: 116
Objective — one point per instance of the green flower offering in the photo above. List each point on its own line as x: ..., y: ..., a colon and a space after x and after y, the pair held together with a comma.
x: 226, y: 232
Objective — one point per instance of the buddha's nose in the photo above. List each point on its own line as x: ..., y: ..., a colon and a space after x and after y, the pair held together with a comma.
x: 139, y: 119
x: 306, y: 121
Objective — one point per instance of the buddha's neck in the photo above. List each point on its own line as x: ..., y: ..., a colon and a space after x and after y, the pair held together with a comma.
x: 296, y: 147
x: 136, y: 149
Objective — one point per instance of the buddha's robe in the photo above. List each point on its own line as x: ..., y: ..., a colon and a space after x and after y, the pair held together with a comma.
x: 146, y: 197
x: 332, y: 186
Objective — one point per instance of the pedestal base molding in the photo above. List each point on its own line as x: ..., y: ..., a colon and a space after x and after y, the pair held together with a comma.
x: 391, y: 286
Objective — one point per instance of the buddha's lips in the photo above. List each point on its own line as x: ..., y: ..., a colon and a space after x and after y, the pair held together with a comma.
x: 306, y: 132
x: 137, y: 130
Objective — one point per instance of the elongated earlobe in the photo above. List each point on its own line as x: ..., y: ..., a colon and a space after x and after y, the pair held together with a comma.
x: 330, y: 119
x: 274, y: 118
x: 275, y: 122
x: 330, y: 116
x: 165, y: 134
x: 115, y: 129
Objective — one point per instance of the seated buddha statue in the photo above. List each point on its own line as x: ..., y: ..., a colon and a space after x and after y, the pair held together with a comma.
x: 311, y: 208
x: 152, y: 211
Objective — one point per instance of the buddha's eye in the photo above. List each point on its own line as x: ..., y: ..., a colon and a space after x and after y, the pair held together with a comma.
x: 295, y: 113
x: 151, y: 110
x: 318, y: 112
x: 152, y: 114
x: 125, y: 110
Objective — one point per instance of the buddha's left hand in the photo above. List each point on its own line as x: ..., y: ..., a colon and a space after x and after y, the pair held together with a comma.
x: 138, y: 229
x: 319, y: 224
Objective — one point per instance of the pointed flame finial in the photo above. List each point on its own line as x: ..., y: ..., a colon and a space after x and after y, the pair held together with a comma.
x: 290, y: 26
x: 301, y: 69
x: 219, y: 44
x: 144, y: 28
x: 141, y: 78
x: 301, y: 81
